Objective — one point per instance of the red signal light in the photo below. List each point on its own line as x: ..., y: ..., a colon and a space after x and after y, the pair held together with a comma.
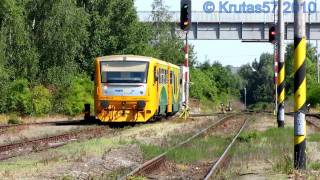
x: 272, y: 34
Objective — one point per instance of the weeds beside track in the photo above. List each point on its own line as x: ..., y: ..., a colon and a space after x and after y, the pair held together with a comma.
x: 156, y: 162
x: 24, y: 147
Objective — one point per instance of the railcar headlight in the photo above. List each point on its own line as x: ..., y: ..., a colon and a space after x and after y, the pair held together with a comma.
x: 141, y: 104
x: 104, y: 104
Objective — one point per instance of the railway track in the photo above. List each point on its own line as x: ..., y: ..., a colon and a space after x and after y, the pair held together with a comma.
x: 312, y: 123
x: 24, y: 147
x: 156, y: 162
x: 20, y: 148
x: 6, y: 128
x: 222, y: 160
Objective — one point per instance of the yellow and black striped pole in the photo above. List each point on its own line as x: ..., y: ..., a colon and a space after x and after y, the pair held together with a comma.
x: 281, y: 94
x: 299, y: 86
x: 281, y: 66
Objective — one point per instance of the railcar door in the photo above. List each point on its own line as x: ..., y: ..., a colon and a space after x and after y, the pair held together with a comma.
x: 170, y: 93
x: 156, y: 83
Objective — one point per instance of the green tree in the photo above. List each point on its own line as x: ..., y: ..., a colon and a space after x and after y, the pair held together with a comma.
x: 313, y: 88
x: 214, y: 82
x: 63, y: 35
x: 200, y: 88
x: 114, y: 29
x: 311, y: 67
x: 226, y: 82
x: 258, y: 79
x: 4, y: 77
x: 21, y: 56
x: 166, y: 43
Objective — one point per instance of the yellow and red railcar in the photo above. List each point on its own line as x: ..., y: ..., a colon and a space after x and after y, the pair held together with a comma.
x: 132, y: 88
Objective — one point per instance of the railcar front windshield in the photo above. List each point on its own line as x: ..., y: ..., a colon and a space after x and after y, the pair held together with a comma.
x: 124, y: 72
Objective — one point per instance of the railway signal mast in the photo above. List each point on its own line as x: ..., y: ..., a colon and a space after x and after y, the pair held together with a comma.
x: 276, y: 37
x: 272, y: 39
x: 281, y: 66
x: 300, y: 85
x: 185, y: 24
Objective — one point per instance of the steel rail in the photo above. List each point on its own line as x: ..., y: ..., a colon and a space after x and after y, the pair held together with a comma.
x: 309, y: 122
x: 223, y: 156
x: 149, y: 165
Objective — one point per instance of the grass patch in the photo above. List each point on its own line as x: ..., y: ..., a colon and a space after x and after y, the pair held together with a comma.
x: 3, y: 118
x: 86, y: 148
x: 208, y: 106
x: 261, y: 106
x: 150, y: 151
x: 14, y: 119
x: 53, y: 157
x: 199, y: 149
x: 272, y: 148
x: 284, y: 164
x: 136, y: 178
x: 314, y: 137
x: 114, y: 175
x: 314, y: 166
x: 248, y: 136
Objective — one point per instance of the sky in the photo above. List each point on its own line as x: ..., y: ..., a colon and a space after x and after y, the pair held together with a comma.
x: 229, y: 52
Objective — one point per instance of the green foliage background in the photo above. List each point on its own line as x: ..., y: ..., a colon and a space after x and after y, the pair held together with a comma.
x: 47, y: 49
x: 258, y: 78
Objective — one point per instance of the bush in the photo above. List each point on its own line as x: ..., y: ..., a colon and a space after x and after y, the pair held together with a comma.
x: 71, y: 101
x: 261, y: 106
x: 41, y: 100
x: 19, y: 97
x: 4, y: 90
x: 201, y: 87
x: 313, y: 95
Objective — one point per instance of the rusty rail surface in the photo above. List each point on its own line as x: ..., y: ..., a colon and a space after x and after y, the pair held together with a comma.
x: 223, y: 158
x: 157, y: 161
x: 312, y: 123
x: 20, y: 148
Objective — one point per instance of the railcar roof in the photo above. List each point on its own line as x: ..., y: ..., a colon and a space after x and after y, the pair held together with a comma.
x: 132, y: 58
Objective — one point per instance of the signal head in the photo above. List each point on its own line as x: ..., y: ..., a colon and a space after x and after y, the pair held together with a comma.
x: 185, y: 16
x: 272, y: 34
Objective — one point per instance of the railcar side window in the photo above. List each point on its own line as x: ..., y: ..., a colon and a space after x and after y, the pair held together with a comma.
x: 174, y: 83
x: 161, y: 76
x: 155, y: 73
x: 166, y: 76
